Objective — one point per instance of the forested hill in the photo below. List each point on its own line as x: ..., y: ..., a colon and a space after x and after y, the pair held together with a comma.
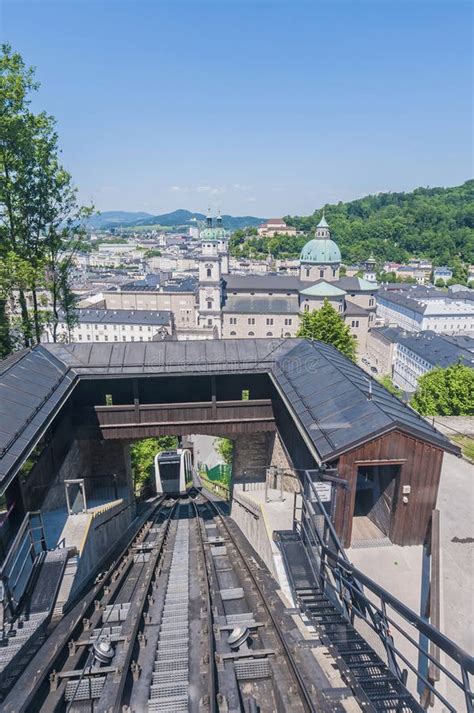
x: 437, y: 223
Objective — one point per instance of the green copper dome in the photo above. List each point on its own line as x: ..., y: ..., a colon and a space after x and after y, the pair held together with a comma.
x: 321, y: 251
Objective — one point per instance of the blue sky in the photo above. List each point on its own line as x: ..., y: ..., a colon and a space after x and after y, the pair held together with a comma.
x: 260, y: 107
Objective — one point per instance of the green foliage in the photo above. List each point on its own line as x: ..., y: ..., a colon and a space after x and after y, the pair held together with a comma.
x: 389, y: 385
x: 143, y: 454
x: 446, y: 392
x: 152, y: 253
x: 466, y: 443
x: 39, y: 216
x: 436, y: 223
x: 225, y: 448
x: 327, y: 326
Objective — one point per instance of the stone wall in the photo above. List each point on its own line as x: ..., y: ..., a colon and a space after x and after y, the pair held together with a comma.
x: 90, y: 458
x: 254, y: 454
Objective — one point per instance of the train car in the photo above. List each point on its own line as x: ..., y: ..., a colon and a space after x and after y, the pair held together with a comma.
x: 173, y: 472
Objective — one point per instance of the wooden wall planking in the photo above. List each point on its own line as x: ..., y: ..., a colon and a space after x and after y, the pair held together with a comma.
x: 420, y: 468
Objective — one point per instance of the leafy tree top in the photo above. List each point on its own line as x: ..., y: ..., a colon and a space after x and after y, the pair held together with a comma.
x: 446, y: 392
x: 326, y: 325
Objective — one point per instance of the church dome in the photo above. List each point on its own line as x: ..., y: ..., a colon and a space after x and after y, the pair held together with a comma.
x: 321, y: 252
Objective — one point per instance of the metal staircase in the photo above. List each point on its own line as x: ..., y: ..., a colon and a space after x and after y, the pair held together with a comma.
x: 355, y: 618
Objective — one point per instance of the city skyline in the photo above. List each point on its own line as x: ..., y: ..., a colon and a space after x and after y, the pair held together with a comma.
x: 253, y: 108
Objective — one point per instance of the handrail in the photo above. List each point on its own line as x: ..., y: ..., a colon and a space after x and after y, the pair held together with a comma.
x: 348, y: 586
x: 215, y: 485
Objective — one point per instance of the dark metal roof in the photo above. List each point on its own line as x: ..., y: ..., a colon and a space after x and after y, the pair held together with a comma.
x: 355, y: 284
x: 439, y: 350
x: 284, y: 283
x: 331, y: 397
x: 327, y: 394
x: 355, y: 310
x: 262, y: 305
x: 123, y: 316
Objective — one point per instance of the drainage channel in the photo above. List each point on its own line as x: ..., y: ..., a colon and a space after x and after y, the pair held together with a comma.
x: 170, y: 680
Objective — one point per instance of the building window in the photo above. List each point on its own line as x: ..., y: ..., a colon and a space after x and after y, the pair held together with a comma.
x: 321, y: 273
x: 106, y: 338
x: 132, y: 339
x: 209, y: 304
x: 270, y: 321
x: 251, y: 320
x: 306, y: 308
x: 287, y: 321
x: 269, y: 334
x: 141, y: 339
x: 232, y: 334
x: 355, y: 323
x: 287, y: 334
x: 115, y: 338
x: 80, y: 337
x: 96, y: 337
x: 307, y: 272
x: 208, y: 272
x: 124, y: 338
x: 209, y: 322
x: 251, y: 334
x: 334, y: 272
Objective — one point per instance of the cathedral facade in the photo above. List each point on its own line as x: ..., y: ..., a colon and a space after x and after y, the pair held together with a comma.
x: 270, y: 305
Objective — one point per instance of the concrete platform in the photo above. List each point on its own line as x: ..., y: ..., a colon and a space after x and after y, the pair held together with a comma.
x: 258, y: 523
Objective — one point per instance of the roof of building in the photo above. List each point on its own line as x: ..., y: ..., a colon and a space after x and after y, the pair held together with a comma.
x: 327, y: 395
x: 187, y: 284
x: 323, y: 222
x: 262, y: 305
x: 265, y: 282
x: 123, y: 316
x: 356, y: 284
x: 320, y: 251
x: 439, y: 350
x: 354, y: 310
x: 390, y: 334
x: 321, y: 288
x: 425, y: 301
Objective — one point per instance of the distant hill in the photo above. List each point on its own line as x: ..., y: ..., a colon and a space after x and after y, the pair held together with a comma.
x: 118, y: 217
x: 176, y: 219
x: 436, y: 223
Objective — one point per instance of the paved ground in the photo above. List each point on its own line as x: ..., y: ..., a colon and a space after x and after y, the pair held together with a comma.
x: 400, y: 569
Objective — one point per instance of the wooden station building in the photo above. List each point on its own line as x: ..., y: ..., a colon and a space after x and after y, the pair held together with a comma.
x: 77, y: 407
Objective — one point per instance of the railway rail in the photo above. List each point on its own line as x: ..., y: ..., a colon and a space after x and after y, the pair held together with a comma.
x: 183, y: 620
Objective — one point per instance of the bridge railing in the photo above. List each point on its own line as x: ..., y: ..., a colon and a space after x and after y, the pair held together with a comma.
x: 361, y: 600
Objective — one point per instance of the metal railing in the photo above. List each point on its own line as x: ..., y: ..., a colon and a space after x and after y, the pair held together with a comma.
x: 215, y: 487
x: 360, y: 599
x: 21, y: 559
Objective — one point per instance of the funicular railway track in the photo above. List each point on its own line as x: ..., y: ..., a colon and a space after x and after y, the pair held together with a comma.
x: 181, y: 622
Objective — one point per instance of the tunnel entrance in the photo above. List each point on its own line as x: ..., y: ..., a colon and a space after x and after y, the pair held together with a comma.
x: 374, y: 501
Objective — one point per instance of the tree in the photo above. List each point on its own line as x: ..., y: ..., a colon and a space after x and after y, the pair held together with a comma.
x: 225, y: 448
x: 446, y: 392
x: 387, y: 382
x: 327, y: 326
x: 143, y: 454
x: 40, y: 220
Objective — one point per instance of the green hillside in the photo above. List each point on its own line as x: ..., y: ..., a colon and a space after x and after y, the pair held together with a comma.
x: 436, y: 223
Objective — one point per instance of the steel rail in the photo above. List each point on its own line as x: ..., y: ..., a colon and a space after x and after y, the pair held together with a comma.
x: 37, y: 671
x: 304, y: 693
x: 134, y: 616
x: 53, y: 699
x: 213, y: 705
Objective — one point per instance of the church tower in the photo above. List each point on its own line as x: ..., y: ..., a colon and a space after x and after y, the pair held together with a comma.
x: 210, y: 286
